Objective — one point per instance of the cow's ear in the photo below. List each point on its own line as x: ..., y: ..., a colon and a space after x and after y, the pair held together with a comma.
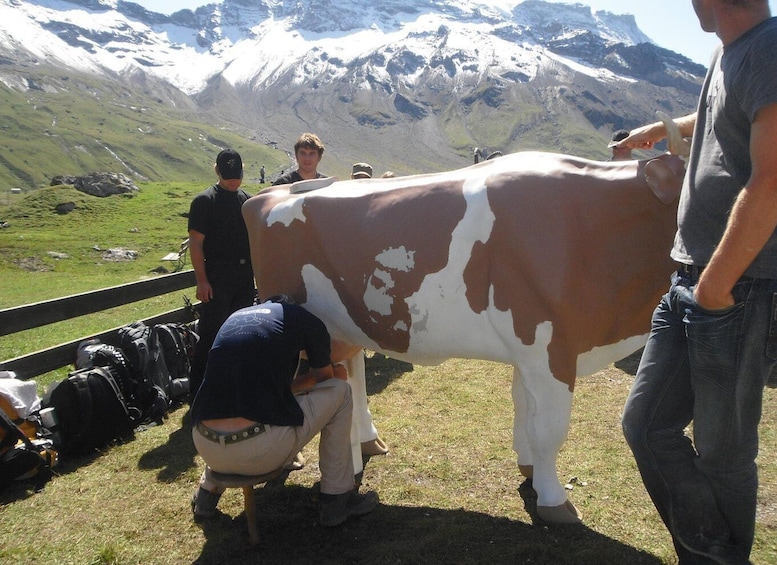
x: 663, y: 181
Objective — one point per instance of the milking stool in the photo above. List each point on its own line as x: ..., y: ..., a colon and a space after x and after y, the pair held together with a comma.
x: 247, y: 483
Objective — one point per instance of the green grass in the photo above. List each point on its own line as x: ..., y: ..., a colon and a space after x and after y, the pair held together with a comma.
x: 80, y: 123
x: 450, y: 489
x: 153, y: 223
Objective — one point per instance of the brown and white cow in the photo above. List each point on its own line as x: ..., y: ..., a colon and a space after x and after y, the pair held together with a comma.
x: 548, y: 262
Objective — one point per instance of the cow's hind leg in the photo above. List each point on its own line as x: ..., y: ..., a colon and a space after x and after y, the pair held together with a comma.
x: 521, y: 444
x: 543, y: 406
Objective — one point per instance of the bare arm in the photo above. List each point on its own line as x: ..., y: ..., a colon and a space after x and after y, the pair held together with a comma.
x: 341, y: 351
x: 197, y: 255
x: 752, y: 221
x: 303, y: 382
x: 646, y: 137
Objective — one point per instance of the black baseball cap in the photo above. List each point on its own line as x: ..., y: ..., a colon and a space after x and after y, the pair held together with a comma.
x: 617, y: 137
x: 229, y: 164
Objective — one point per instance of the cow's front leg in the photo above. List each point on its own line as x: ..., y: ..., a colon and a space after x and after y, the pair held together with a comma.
x: 543, y: 406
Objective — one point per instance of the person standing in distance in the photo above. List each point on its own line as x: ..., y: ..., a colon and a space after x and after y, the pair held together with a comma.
x: 220, y: 255
x: 713, y: 341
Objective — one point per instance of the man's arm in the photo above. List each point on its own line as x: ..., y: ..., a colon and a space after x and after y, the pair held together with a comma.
x: 752, y: 221
x: 303, y: 382
x: 197, y: 255
x: 342, y: 351
x: 646, y: 137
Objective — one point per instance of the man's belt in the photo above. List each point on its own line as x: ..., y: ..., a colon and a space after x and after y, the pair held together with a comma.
x: 230, y: 437
x: 692, y: 271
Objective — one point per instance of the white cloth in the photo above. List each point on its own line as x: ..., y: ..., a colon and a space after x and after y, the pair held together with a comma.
x: 23, y: 395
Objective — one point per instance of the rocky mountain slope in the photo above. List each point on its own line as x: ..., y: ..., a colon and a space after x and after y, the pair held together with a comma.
x: 409, y: 85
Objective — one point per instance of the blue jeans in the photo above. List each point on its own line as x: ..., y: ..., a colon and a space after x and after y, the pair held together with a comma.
x: 709, y: 368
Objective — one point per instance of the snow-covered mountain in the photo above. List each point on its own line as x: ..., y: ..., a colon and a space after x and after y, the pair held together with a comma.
x: 452, y: 73
x: 254, y: 42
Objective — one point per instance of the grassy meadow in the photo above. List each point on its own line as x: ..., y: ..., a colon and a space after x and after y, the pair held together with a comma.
x: 450, y: 490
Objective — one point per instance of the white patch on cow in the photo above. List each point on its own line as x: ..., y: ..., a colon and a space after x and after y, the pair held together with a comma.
x: 286, y: 212
x: 599, y: 357
x: 324, y: 302
x: 397, y: 259
x: 376, y: 295
x: 442, y: 322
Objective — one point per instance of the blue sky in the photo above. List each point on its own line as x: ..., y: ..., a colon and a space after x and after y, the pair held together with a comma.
x: 670, y: 23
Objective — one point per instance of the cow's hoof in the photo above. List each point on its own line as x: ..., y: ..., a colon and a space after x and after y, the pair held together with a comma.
x: 374, y: 447
x: 527, y: 471
x: 565, y: 513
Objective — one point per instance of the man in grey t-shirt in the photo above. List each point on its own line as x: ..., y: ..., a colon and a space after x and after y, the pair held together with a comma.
x: 712, y: 345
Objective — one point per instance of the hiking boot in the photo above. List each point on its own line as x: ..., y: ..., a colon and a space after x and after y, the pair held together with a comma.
x: 337, y: 508
x: 204, y: 503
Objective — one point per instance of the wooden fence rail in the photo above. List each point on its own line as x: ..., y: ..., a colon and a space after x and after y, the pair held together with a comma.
x: 20, y: 318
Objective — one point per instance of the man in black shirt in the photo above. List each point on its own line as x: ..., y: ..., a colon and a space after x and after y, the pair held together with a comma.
x: 220, y: 255
x: 254, y: 413
x: 308, y: 151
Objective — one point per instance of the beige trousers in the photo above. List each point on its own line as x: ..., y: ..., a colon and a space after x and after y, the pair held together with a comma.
x: 327, y: 408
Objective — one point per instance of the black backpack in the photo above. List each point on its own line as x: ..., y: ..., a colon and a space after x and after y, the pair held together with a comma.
x: 176, y: 342
x: 146, y: 360
x: 134, y: 342
x: 93, y: 353
x: 91, y: 409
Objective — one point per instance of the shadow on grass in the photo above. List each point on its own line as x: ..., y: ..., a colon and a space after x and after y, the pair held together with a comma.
x: 174, y: 457
x: 289, y: 531
x: 381, y: 370
x: 631, y: 363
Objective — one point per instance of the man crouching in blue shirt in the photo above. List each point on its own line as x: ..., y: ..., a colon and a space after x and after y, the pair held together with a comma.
x: 252, y: 415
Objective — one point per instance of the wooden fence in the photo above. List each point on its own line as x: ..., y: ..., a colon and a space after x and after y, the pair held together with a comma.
x: 39, y: 314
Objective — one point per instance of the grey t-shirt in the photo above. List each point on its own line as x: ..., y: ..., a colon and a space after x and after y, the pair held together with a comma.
x: 741, y: 80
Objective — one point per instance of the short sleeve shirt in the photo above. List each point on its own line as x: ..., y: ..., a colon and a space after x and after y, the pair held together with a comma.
x: 741, y: 80
x: 292, y: 177
x: 217, y: 214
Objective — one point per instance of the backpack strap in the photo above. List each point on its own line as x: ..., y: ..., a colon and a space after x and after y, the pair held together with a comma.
x: 13, y: 433
x: 81, y: 386
x: 106, y: 374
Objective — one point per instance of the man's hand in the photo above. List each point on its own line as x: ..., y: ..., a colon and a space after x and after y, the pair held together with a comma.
x: 340, y: 372
x: 644, y: 137
x: 707, y: 298
x: 204, y: 292
x: 306, y: 381
x: 302, y: 383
